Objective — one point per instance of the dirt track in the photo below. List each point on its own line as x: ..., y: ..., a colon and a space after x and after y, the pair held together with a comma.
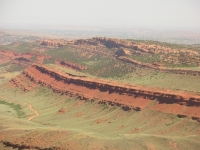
x: 36, y: 113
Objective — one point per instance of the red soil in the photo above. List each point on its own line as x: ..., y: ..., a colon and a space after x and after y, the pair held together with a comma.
x: 21, y: 59
x: 26, y: 60
x: 121, y: 127
x: 136, y: 130
x: 61, y: 111
x: 6, y: 56
x: 8, y: 53
x: 125, y: 96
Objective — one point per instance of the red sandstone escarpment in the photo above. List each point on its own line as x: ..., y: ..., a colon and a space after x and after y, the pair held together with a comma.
x: 126, y: 96
x: 68, y: 64
x: 146, y: 48
x: 139, y: 47
x: 166, y: 54
x: 157, y: 67
x: 108, y: 42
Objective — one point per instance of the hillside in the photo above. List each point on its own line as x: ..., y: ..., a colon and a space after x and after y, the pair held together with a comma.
x: 99, y: 93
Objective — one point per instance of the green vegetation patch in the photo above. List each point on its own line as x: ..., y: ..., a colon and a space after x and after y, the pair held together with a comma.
x: 22, y: 47
x: 16, y: 107
x: 146, y: 58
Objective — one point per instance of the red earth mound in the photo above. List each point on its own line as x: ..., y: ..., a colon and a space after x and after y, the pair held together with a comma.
x: 125, y: 96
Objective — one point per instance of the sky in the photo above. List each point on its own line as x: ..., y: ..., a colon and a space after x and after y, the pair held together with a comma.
x: 107, y: 13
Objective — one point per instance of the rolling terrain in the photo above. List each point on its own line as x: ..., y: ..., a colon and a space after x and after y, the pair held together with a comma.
x: 99, y: 93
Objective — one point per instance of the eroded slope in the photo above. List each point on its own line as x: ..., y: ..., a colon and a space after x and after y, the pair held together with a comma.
x: 126, y: 96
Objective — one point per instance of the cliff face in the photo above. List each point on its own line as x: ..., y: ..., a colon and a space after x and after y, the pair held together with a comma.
x: 125, y: 96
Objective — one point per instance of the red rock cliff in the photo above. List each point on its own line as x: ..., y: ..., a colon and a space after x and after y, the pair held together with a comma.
x: 126, y: 96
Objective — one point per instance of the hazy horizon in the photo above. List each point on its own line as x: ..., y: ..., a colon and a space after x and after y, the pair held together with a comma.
x: 179, y: 14
x: 170, y: 21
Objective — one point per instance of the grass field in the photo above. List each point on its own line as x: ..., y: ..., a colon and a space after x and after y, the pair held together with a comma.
x: 22, y: 47
x: 92, y: 125
x: 16, y: 107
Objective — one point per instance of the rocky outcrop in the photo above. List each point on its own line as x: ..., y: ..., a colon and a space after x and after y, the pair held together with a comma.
x: 116, y: 43
x: 120, y: 52
x: 82, y: 41
x: 26, y: 146
x: 125, y: 96
x: 71, y: 65
x: 108, y: 42
x: 52, y: 42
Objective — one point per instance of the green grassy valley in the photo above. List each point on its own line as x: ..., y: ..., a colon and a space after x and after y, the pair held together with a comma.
x: 89, y: 125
